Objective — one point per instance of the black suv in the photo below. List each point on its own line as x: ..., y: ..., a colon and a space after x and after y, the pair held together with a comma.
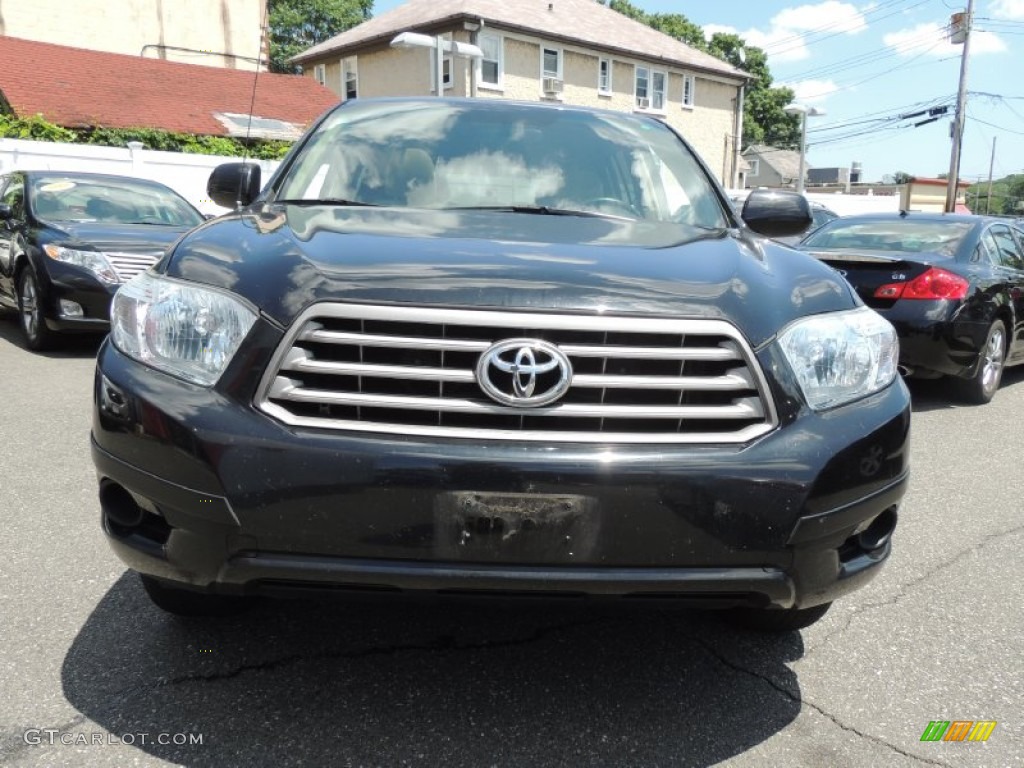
x: 482, y: 347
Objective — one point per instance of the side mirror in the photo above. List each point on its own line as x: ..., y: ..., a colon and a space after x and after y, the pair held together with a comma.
x: 234, y: 185
x: 6, y: 214
x: 776, y: 213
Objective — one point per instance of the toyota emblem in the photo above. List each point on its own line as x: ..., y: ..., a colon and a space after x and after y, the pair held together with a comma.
x: 524, y: 372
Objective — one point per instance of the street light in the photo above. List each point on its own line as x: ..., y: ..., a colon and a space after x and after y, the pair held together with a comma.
x: 440, y: 47
x: 804, y: 112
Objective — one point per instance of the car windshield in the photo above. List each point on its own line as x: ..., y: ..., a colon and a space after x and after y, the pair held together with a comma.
x: 445, y: 155
x: 115, y: 201
x: 939, y: 237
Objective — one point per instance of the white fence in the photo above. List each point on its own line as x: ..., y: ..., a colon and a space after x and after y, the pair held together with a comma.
x: 186, y: 174
x: 843, y: 204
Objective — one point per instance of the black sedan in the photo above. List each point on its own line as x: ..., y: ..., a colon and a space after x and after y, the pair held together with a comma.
x: 69, y: 240
x: 475, y: 346
x: 952, y: 285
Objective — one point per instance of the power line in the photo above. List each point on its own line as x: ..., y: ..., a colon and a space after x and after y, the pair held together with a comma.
x: 802, y: 41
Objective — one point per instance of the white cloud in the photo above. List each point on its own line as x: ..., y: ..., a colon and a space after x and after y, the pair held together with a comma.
x: 1007, y: 9
x: 784, y: 40
x: 933, y: 40
x: 811, y: 91
x: 830, y: 16
x: 712, y: 29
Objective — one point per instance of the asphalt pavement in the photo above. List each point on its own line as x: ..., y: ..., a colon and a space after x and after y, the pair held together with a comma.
x: 93, y: 675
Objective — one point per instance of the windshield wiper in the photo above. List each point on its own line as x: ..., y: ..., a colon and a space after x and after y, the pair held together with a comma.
x: 540, y: 210
x: 327, y: 201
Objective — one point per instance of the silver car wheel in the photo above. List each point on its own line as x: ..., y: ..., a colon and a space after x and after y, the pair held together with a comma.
x: 992, y: 364
x: 29, y: 308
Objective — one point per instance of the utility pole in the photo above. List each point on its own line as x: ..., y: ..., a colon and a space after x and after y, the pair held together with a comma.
x: 991, y: 165
x: 961, y: 104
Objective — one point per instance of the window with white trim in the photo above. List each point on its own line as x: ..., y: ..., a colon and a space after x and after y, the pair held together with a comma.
x: 349, y: 78
x: 658, y: 81
x: 755, y: 166
x: 689, y: 84
x: 642, y: 88
x: 491, y: 65
x: 447, y: 67
x: 320, y: 73
x: 551, y: 62
x: 604, y: 76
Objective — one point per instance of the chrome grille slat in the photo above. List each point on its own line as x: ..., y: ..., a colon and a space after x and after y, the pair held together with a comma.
x: 409, y: 370
x: 728, y: 383
x: 128, y: 265
x: 410, y: 342
x: 381, y: 371
x: 453, y: 405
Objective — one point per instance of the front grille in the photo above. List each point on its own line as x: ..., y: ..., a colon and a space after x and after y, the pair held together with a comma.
x: 128, y: 265
x: 409, y: 370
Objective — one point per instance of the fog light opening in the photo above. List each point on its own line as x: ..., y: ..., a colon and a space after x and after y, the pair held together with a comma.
x: 877, y: 535
x: 71, y: 308
x: 119, y: 508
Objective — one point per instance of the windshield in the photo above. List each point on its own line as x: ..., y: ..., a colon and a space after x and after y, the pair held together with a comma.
x: 447, y: 155
x: 110, y: 200
x: 941, y: 237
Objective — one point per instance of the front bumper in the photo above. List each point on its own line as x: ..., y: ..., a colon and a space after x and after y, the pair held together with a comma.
x: 76, y: 284
x: 201, y: 489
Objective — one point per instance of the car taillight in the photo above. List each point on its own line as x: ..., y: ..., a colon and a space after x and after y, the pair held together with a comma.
x: 936, y: 283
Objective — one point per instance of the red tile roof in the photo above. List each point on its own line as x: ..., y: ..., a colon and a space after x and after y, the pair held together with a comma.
x: 74, y: 87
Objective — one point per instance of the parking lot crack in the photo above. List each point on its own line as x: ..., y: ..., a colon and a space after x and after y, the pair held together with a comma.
x: 913, y: 584
x: 796, y: 698
x: 442, y: 643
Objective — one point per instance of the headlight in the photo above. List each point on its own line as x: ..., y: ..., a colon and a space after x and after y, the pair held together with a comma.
x: 94, y: 261
x: 180, y: 328
x: 841, y: 356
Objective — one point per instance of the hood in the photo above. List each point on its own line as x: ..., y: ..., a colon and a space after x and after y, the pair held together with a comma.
x: 286, y: 257
x: 127, y: 238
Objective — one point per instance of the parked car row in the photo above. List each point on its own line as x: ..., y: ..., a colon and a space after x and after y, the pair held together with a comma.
x: 951, y: 285
x: 490, y: 348
x: 68, y: 241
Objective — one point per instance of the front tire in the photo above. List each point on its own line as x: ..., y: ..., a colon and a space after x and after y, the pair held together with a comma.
x: 30, y: 313
x: 184, y: 602
x: 982, y: 386
x: 768, y: 620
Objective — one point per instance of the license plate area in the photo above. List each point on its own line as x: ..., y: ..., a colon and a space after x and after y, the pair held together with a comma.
x: 523, y: 528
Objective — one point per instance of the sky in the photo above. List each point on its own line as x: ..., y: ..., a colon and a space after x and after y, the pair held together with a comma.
x: 866, y: 64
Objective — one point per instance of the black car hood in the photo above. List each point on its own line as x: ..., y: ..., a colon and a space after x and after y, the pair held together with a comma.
x: 130, y: 238
x: 286, y: 257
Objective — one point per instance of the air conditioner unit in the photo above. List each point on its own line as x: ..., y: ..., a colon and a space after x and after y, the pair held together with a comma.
x: 552, y: 85
x: 643, y: 103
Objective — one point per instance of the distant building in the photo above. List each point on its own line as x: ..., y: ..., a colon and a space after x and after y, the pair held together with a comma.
x: 921, y: 194
x: 220, y: 33
x: 566, y: 51
x: 830, y: 176
x: 771, y: 166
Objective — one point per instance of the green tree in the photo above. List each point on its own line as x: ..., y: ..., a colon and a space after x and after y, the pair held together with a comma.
x: 901, y: 177
x: 764, y: 115
x: 672, y: 24
x: 1014, y: 202
x: 296, y: 25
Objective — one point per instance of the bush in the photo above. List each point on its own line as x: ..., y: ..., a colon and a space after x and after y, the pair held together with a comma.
x: 38, y: 129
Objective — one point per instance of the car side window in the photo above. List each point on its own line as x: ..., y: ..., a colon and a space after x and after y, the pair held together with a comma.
x: 14, y: 196
x: 987, y: 251
x: 1009, y: 254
